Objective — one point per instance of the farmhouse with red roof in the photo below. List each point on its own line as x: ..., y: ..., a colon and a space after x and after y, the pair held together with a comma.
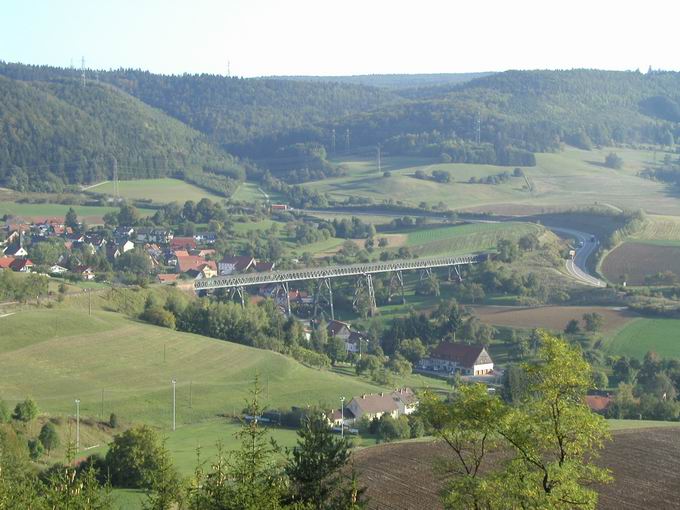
x: 457, y: 357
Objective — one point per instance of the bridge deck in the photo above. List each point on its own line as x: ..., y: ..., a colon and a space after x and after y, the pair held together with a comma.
x: 316, y: 273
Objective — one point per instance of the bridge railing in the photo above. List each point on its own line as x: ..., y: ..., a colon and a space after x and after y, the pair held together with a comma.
x: 316, y: 273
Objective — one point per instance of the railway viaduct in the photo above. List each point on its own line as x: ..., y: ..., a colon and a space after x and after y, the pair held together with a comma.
x: 323, y: 296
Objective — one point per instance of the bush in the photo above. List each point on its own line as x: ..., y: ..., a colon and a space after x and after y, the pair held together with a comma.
x: 391, y: 429
x: 49, y: 437
x: 159, y: 317
x: 613, y: 160
x: 134, y: 458
x: 35, y: 449
x: 25, y: 411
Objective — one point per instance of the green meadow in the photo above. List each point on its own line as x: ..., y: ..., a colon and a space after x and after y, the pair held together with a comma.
x: 642, y: 335
x: 159, y: 190
x: 566, y: 179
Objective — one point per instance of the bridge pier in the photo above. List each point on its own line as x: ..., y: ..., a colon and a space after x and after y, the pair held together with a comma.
x: 324, y: 291
x: 457, y: 271
x: 365, y: 285
x: 281, y: 296
x: 396, y: 281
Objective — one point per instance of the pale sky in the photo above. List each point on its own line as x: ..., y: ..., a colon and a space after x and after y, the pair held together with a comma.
x: 319, y: 37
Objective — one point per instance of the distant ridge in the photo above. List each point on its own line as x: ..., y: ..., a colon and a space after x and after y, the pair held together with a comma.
x: 391, y: 81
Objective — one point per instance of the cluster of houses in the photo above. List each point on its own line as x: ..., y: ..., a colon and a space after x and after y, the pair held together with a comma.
x: 171, y: 256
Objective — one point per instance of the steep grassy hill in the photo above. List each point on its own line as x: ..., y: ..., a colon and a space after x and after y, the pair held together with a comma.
x: 58, y: 355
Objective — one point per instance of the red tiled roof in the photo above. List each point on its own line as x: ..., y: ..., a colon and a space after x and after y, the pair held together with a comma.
x: 167, y: 277
x: 464, y: 354
x: 6, y: 262
x: 598, y: 402
x: 188, y: 262
x: 183, y: 242
x: 19, y: 264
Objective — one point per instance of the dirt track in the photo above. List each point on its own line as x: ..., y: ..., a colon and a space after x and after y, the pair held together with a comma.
x: 645, y: 464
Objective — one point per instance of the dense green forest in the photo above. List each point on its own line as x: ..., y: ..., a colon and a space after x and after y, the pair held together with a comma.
x: 392, y: 81
x: 59, y: 131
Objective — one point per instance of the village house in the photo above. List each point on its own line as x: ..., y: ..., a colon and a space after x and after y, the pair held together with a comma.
x: 57, y: 269
x: 373, y: 405
x: 356, y: 343
x: 183, y: 243
x: 187, y: 263
x: 167, y: 278
x: 154, y: 235
x: 339, y: 329
x: 15, y: 250
x: 206, y: 270
x: 238, y: 264
x: 406, y: 400
x: 206, y: 238
x: 84, y: 272
x: 450, y: 358
x: 22, y: 265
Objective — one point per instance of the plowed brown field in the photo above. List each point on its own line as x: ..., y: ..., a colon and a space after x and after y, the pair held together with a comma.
x: 550, y: 317
x: 637, y: 260
x: 645, y: 464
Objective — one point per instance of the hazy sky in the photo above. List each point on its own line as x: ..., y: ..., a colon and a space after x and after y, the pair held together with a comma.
x: 267, y: 37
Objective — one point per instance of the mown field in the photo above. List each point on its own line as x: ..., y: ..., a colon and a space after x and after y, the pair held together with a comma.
x: 466, y: 238
x: 660, y: 229
x: 632, y: 261
x: 560, y: 181
x: 402, y: 476
x: 639, y: 336
x: 159, y: 190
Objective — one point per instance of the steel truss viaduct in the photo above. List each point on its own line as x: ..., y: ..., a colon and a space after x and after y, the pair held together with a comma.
x: 323, y: 295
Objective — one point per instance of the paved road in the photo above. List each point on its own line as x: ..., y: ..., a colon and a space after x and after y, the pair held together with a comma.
x: 577, y: 267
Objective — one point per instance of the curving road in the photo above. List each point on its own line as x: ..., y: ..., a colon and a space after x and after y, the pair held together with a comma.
x: 577, y: 267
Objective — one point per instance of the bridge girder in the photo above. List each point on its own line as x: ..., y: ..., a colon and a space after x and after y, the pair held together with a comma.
x: 277, y: 277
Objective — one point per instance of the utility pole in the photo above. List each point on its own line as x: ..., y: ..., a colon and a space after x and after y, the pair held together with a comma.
x: 77, y: 424
x: 333, y: 142
x: 174, y: 422
x: 115, y: 179
x: 82, y: 71
x: 342, y: 417
x: 347, y: 141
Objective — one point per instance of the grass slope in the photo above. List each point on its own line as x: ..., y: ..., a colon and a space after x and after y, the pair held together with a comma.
x: 562, y: 180
x: 158, y: 190
x: 57, y: 357
x: 641, y: 335
x: 467, y: 238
